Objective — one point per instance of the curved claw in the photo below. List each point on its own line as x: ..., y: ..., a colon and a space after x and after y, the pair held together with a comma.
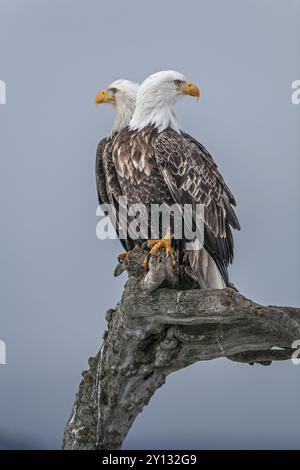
x: 146, y: 262
x: 155, y: 246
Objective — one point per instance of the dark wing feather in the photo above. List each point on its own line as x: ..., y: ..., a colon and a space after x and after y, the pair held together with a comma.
x: 107, y: 184
x: 114, y: 191
x: 193, y: 177
x: 100, y: 175
x: 210, y: 162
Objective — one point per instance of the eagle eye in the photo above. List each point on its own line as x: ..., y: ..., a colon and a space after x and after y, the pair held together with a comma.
x: 113, y: 90
x: 178, y: 82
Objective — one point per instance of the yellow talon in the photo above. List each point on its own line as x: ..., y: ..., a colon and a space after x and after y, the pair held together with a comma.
x: 124, y: 256
x: 151, y: 243
x: 156, y: 245
x: 146, y: 263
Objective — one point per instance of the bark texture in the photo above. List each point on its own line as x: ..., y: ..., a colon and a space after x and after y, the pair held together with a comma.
x: 154, y: 332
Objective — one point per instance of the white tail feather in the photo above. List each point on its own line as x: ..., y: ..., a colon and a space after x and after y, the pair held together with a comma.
x: 205, y: 269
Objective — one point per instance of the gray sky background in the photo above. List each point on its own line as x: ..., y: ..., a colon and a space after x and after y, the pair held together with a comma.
x: 56, y: 277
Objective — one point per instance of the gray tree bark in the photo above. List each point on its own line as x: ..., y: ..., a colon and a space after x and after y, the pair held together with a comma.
x: 154, y: 332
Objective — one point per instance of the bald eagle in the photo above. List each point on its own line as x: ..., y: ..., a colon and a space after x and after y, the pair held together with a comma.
x: 121, y: 94
x: 155, y: 162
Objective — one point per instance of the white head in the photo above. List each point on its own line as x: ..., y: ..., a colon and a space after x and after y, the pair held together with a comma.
x: 156, y: 99
x: 122, y: 95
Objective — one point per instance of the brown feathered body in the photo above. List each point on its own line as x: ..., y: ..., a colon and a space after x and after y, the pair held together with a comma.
x: 168, y: 167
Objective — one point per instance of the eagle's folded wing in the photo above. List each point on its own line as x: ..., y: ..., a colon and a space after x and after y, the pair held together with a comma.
x: 100, y: 175
x: 193, y: 178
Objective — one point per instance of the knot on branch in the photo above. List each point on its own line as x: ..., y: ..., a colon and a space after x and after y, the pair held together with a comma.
x: 162, y: 271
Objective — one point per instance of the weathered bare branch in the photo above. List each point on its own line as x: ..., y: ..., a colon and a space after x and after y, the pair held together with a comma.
x: 153, y: 333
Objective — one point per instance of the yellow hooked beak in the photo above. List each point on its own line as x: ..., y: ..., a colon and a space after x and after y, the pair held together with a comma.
x: 191, y: 89
x: 104, y: 96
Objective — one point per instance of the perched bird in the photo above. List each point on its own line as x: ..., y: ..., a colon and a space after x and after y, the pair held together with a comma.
x: 121, y: 94
x: 155, y: 162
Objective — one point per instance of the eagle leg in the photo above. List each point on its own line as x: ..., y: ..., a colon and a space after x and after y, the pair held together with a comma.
x: 124, y: 256
x: 146, y: 262
x: 154, y: 247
